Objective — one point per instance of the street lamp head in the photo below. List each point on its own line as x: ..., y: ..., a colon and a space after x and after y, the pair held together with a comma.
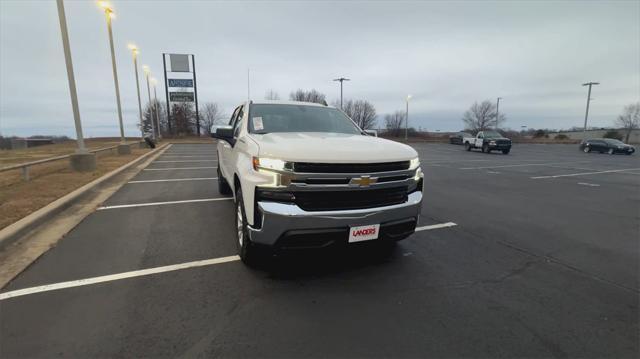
x: 409, y: 97
x: 591, y: 83
x: 153, y: 81
x: 108, y: 9
x: 146, y: 69
x: 133, y: 47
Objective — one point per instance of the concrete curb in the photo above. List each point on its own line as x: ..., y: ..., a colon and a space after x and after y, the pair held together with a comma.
x: 17, y: 230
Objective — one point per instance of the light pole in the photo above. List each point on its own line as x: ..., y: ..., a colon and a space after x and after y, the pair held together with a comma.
x: 109, y: 14
x: 154, y: 82
x: 147, y: 72
x: 586, y: 114
x: 406, y: 121
x: 498, y: 111
x: 341, y: 79
x: 82, y: 160
x: 134, y: 52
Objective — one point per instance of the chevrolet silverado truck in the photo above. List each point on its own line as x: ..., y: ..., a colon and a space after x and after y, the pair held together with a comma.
x: 304, y: 175
x: 488, y: 141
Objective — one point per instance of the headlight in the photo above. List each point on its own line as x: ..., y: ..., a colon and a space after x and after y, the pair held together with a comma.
x: 271, y: 164
x: 414, y: 163
x: 492, y: 142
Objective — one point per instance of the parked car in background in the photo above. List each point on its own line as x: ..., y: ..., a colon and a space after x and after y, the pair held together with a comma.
x: 606, y: 145
x: 488, y: 141
x: 456, y: 139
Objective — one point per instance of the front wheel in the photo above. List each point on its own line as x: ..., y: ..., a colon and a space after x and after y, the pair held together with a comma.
x: 586, y: 149
x: 485, y: 148
x: 467, y: 146
x: 610, y: 151
x: 246, y: 249
x: 506, y: 152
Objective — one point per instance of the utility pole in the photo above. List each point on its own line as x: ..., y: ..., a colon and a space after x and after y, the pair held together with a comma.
x: 82, y: 160
x: 195, y: 93
x: 123, y: 149
x: 586, y: 114
x: 147, y: 72
x: 134, y: 52
x: 341, y: 80
x: 406, y: 120
x: 498, y: 111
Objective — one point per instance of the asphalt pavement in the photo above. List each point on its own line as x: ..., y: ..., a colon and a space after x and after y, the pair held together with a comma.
x: 531, y: 254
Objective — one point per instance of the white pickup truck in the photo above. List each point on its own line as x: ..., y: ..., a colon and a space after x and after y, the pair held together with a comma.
x: 304, y: 175
x: 488, y: 141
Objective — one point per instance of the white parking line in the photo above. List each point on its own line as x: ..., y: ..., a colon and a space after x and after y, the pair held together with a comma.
x: 435, y: 226
x: 177, y: 180
x: 185, y: 156
x: 522, y: 165
x: 588, y: 184
x: 170, y: 161
x: 114, y: 277
x: 586, y: 173
x: 177, y: 168
x: 163, y: 203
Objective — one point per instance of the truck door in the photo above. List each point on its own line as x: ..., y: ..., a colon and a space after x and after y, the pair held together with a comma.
x: 479, y: 139
x: 225, y: 149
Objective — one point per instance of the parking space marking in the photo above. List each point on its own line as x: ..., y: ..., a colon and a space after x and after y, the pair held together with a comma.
x: 588, y: 184
x: 171, y: 161
x: 177, y: 180
x: 163, y: 203
x: 435, y: 226
x: 585, y: 173
x: 169, y: 155
x: 117, y: 276
x: 522, y: 165
x: 177, y: 168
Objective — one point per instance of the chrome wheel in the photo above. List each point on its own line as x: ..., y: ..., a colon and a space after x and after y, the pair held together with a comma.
x: 586, y: 149
x: 611, y: 151
x: 239, y: 223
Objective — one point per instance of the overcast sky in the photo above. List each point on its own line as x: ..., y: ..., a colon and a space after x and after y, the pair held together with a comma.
x: 446, y: 54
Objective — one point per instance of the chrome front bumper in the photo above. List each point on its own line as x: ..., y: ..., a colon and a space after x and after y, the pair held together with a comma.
x: 278, y: 218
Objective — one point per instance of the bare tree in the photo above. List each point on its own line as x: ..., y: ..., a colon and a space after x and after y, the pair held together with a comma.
x: 629, y: 120
x: 271, y: 94
x: 362, y: 112
x: 210, y: 115
x: 308, y: 96
x: 183, y: 118
x: 395, y: 123
x: 480, y: 117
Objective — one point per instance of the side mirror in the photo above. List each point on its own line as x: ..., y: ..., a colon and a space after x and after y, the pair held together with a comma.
x: 373, y: 133
x: 224, y: 133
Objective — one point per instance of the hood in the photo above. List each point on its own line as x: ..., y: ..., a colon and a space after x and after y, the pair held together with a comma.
x: 331, y: 148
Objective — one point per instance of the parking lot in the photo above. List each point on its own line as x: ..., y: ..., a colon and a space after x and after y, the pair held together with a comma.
x: 530, y: 254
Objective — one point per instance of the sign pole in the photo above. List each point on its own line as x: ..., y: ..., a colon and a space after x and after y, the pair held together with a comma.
x: 166, y: 92
x: 195, y: 92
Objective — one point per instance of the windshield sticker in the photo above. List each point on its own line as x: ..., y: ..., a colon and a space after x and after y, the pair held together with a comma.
x: 257, y: 124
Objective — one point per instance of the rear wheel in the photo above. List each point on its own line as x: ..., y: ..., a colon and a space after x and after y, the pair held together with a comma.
x: 467, y: 146
x: 223, y: 185
x: 610, y: 151
x: 246, y: 249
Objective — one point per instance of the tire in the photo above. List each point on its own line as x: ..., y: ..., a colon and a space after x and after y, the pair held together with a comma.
x: 467, y: 146
x: 506, y: 152
x: 485, y: 148
x: 246, y: 249
x: 611, y: 152
x: 586, y: 149
x: 223, y: 185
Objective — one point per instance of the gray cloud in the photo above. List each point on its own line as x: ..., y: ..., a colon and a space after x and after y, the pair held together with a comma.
x: 446, y: 54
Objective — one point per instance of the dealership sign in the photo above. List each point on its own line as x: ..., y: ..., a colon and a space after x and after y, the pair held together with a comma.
x: 181, y: 96
x: 180, y: 83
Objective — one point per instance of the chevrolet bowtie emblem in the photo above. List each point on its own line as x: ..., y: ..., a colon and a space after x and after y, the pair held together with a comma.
x: 364, y: 181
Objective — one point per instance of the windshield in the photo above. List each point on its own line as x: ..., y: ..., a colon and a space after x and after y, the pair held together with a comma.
x: 268, y: 118
x: 491, y: 134
x: 613, y: 142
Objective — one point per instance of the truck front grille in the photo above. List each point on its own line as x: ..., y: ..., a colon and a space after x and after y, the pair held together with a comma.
x: 352, y: 199
x: 308, y: 167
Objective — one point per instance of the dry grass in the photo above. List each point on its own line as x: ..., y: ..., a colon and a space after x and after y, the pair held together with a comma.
x: 11, y: 157
x: 53, y: 180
